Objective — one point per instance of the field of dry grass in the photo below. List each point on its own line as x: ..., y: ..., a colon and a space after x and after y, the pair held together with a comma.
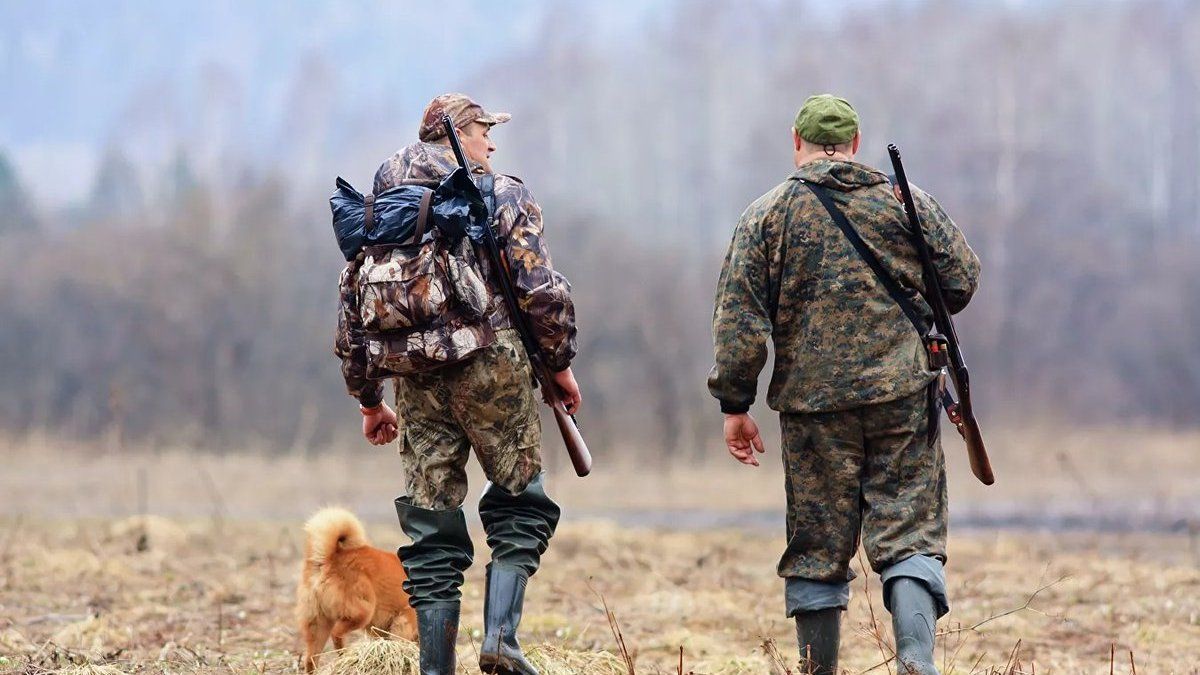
x: 213, y: 596
x: 208, y: 588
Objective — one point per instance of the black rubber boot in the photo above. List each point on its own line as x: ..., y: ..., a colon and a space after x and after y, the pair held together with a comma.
x: 914, y: 614
x: 500, y: 651
x: 437, y: 630
x: 819, y: 633
x: 440, y: 552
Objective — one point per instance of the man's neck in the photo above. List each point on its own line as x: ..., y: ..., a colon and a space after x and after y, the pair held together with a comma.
x: 811, y: 157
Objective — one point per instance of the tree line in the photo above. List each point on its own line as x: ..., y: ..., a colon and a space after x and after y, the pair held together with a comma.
x: 185, y: 307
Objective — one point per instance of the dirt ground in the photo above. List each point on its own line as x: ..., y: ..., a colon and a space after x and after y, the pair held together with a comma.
x: 215, y: 596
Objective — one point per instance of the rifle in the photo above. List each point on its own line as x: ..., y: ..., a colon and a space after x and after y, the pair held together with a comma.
x: 960, y: 413
x: 581, y: 458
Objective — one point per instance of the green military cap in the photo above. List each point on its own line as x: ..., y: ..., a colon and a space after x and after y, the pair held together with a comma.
x: 827, y: 119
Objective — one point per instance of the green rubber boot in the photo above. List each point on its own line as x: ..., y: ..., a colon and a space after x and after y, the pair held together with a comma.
x: 914, y: 614
x: 500, y: 651
x: 437, y: 631
x: 819, y: 634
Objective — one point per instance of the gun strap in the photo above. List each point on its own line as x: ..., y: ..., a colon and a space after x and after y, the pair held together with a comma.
x: 890, y: 284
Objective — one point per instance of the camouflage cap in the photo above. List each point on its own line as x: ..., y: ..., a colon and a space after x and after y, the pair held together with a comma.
x: 827, y: 119
x: 461, y: 109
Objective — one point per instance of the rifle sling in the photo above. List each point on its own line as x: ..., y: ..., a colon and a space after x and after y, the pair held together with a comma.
x: 890, y: 284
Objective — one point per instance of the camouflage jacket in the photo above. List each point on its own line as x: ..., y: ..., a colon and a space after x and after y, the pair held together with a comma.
x: 792, y: 276
x: 543, y: 294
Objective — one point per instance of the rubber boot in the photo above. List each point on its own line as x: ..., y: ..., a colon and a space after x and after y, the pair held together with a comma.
x: 819, y: 633
x: 914, y: 614
x: 500, y: 651
x: 437, y: 631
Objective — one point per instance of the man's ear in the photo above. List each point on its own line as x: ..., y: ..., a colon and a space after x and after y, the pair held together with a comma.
x: 856, y: 142
x: 796, y: 139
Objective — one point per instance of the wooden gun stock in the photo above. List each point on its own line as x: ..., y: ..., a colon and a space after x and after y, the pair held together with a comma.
x: 577, y: 449
x: 568, y: 427
x: 981, y: 466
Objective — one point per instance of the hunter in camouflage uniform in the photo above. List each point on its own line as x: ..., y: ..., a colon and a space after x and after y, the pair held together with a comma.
x: 485, y: 403
x: 852, y: 383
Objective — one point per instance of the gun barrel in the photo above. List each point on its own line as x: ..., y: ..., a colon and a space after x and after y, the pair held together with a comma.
x: 969, y: 427
x: 455, y: 145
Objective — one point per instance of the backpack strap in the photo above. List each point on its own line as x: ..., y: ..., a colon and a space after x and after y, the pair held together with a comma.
x: 369, y: 213
x: 422, y: 216
x: 890, y: 284
x: 487, y: 185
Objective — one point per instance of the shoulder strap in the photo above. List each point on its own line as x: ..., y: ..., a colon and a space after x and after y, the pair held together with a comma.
x: 487, y: 184
x: 889, y: 283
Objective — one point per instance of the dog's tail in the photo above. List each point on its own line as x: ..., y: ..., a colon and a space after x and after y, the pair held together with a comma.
x: 332, y: 529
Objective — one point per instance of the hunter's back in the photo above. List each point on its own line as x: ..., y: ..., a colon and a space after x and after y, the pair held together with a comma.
x: 840, y: 340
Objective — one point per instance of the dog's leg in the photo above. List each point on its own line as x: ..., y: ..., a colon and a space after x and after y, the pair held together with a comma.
x: 344, y: 626
x: 404, y: 625
x: 316, y: 633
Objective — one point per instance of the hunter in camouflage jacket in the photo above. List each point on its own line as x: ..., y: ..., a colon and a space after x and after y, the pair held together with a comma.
x: 543, y: 294
x: 792, y: 276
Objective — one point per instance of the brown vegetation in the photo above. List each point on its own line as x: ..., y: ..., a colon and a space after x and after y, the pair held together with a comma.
x: 209, y: 597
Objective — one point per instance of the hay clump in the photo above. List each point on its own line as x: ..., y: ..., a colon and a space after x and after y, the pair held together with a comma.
x: 379, y: 657
x: 90, y: 669
x: 94, y: 634
x: 12, y: 642
x: 557, y: 661
x: 141, y: 533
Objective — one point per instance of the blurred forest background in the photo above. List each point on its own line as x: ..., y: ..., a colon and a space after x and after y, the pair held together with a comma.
x: 168, y: 272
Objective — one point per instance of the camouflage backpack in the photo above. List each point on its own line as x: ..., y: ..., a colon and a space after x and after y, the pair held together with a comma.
x: 421, y: 296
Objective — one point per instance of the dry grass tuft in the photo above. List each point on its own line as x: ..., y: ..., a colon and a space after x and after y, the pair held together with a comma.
x: 551, y: 660
x: 13, y: 642
x: 142, y: 533
x: 381, y: 657
x: 93, y: 634
x: 89, y: 669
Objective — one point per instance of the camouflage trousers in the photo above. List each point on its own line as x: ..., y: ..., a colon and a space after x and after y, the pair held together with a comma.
x: 485, y: 403
x: 873, y: 471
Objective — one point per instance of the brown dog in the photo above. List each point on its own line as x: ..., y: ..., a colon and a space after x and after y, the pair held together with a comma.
x: 346, y: 584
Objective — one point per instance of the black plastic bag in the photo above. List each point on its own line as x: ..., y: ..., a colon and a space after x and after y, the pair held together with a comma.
x: 456, y: 206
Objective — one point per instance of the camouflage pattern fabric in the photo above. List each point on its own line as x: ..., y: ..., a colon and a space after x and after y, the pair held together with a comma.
x: 406, y: 311
x: 791, y: 276
x: 462, y: 111
x: 543, y: 294
x: 485, y: 403
x: 350, y: 345
x: 870, y: 469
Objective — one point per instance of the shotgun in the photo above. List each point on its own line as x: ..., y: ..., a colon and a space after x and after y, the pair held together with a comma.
x: 581, y: 458
x: 960, y: 413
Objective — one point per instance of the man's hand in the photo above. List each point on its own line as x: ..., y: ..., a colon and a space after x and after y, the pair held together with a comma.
x: 741, y: 435
x: 379, y: 424
x: 568, y: 390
